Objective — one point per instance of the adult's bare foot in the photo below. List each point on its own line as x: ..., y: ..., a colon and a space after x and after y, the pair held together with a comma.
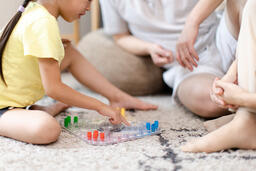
x: 239, y: 133
x: 214, y: 124
x: 53, y: 109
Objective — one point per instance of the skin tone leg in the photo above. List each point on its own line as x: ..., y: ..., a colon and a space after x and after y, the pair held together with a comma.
x: 233, y: 20
x: 31, y: 126
x: 241, y: 131
x: 212, y: 125
x: 201, y: 104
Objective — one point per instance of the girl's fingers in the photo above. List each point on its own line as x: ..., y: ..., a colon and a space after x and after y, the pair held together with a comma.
x: 125, y: 121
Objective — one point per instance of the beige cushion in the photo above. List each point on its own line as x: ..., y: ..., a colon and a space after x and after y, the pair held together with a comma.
x: 133, y: 74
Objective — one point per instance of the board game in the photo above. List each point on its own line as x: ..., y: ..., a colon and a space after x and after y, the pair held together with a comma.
x: 100, y: 132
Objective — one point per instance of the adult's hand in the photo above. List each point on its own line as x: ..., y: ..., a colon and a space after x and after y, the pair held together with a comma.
x: 186, y: 54
x: 232, y: 93
x: 217, y: 93
x: 159, y: 55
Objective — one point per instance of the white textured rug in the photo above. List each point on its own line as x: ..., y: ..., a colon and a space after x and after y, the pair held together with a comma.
x: 151, y: 153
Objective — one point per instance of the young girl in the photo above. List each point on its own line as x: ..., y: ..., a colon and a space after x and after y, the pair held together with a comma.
x: 32, y: 57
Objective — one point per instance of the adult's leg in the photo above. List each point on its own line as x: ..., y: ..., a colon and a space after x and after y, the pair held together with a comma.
x: 233, y: 17
x: 86, y: 73
x: 212, y: 125
x: 241, y: 131
x: 30, y: 126
x: 197, y: 88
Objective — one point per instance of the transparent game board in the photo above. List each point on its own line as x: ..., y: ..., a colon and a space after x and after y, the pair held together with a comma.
x: 99, y: 131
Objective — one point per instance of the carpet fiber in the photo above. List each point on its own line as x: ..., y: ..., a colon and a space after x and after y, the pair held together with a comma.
x: 159, y: 152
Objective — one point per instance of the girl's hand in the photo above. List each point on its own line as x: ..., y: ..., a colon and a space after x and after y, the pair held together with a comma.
x: 159, y: 55
x: 115, y: 115
x: 231, y: 93
x: 185, y: 51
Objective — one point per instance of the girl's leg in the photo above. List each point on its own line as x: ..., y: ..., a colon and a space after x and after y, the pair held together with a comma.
x: 53, y: 109
x: 85, y: 73
x: 36, y: 127
x: 241, y: 131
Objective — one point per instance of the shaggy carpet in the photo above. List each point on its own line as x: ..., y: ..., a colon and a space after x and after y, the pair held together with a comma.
x: 160, y: 152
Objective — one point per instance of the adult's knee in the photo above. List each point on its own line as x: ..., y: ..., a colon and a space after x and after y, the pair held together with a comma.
x: 209, y: 110
x: 199, y: 102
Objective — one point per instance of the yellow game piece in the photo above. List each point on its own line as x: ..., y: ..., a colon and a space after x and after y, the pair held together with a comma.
x: 123, y: 112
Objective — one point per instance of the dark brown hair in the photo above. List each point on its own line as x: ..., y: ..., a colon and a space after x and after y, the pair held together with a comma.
x: 6, y: 35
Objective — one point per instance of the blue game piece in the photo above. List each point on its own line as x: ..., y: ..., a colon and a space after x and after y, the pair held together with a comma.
x: 153, y: 127
x: 156, y: 124
x: 148, y: 126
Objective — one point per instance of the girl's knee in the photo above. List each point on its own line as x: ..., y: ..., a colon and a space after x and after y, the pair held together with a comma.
x: 45, y: 130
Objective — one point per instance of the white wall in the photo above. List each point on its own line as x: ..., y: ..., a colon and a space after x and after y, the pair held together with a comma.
x: 9, y: 7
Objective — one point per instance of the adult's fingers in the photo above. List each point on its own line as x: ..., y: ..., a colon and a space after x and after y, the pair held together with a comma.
x: 216, y: 89
x: 162, y: 52
x: 221, y: 84
x: 193, y: 52
x: 184, y: 60
x: 160, y: 61
x: 217, y: 99
x: 170, y: 58
x: 188, y: 56
x: 178, y: 58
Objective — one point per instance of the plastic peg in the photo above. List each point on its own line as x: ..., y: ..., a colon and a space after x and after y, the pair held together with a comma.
x: 148, y: 126
x: 156, y: 124
x: 95, y: 135
x: 153, y: 127
x: 123, y: 112
x: 69, y: 119
x: 89, y: 135
x: 102, y: 136
x: 75, y: 119
x: 66, y: 122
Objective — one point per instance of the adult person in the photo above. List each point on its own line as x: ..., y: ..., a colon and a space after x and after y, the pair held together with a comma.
x: 149, y: 27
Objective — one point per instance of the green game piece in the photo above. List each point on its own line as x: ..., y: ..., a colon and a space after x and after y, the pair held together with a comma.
x: 66, y: 122
x: 69, y: 119
x: 75, y: 119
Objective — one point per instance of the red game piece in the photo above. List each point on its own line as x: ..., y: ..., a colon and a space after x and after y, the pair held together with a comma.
x: 95, y: 135
x: 89, y: 135
x: 102, y: 136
